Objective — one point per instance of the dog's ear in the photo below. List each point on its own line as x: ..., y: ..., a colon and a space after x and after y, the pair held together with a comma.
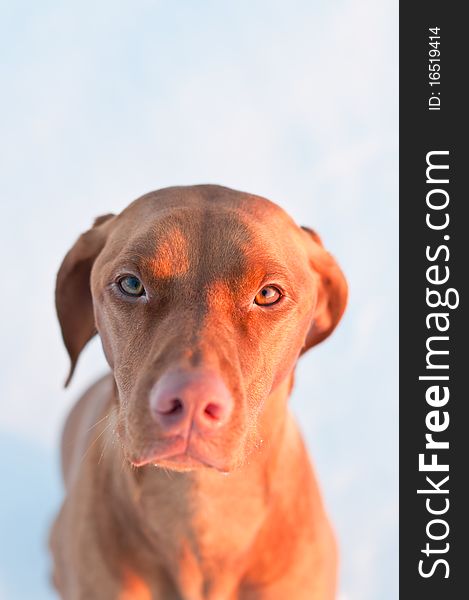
x: 332, y: 291
x: 73, y: 294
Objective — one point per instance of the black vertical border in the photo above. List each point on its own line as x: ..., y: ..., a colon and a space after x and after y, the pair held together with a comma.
x: 421, y: 131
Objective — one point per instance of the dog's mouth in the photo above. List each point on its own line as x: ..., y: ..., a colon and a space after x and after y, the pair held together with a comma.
x: 189, y: 461
x: 179, y: 454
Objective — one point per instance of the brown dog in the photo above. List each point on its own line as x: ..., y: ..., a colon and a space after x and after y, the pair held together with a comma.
x: 186, y: 476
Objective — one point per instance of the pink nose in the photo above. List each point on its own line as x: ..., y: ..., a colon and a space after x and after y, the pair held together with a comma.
x: 180, y: 400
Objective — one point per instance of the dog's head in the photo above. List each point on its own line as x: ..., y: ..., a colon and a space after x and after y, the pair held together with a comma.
x: 204, y: 298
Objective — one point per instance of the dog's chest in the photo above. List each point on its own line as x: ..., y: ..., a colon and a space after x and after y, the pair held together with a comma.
x: 202, y: 535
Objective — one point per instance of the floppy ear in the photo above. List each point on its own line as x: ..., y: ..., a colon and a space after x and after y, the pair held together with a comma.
x: 72, y: 292
x: 332, y: 291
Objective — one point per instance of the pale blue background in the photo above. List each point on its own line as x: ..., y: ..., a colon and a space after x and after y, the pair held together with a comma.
x: 297, y: 101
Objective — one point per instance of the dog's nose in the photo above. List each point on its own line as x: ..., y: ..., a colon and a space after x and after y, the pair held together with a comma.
x: 180, y: 400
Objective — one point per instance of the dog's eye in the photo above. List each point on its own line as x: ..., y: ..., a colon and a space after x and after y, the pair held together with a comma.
x: 131, y: 285
x: 267, y: 296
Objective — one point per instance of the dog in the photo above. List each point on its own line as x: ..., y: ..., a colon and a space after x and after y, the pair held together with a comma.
x: 186, y: 476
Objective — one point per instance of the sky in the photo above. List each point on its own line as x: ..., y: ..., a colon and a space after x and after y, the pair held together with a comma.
x: 103, y: 102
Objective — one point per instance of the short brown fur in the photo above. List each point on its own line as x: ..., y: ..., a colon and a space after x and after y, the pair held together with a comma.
x: 233, y: 515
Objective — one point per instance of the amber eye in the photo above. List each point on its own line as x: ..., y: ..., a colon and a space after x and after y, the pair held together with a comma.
x: 267, y: 296
x: 131, y: 285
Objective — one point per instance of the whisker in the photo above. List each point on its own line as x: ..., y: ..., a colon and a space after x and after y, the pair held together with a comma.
x: 94, y: 441
x: 168, y: 473
x: 98, y: 422
x: 105, y: 446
